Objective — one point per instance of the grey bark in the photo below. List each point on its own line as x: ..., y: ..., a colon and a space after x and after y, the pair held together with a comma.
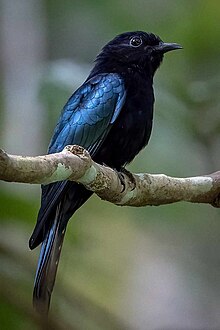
x: 74, y: 163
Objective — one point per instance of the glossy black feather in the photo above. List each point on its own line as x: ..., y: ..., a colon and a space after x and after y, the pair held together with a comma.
x: 86, y: 119
x: 111, y: 116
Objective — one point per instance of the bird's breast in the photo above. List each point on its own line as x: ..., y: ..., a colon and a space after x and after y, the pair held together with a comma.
x: 131, y: 131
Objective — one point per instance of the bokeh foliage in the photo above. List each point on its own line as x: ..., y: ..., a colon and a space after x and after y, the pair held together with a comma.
x: 147, y: 268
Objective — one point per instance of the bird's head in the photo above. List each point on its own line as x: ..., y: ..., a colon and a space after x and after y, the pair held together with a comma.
x: 135, y: 49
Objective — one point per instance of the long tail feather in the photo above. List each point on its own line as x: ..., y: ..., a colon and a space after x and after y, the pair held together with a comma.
x: 50, y: 230
x: 48, y: 263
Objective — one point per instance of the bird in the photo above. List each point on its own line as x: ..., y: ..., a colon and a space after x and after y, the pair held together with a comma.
x: 111, y: 116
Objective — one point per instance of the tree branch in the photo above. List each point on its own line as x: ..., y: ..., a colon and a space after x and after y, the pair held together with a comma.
x: 74, y: 163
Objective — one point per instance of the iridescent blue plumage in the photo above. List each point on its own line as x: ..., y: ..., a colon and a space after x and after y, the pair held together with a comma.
x: 85, y: 120
x: 89, y: 113
x: 111, y: 116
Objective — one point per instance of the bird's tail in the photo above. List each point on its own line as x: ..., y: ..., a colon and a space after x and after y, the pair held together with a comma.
x: 48, y: 263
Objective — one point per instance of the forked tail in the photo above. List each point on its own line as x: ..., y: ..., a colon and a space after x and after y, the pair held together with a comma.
x: 48, y: 263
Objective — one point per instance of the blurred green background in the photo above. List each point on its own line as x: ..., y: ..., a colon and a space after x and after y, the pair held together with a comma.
x: 121, y: 268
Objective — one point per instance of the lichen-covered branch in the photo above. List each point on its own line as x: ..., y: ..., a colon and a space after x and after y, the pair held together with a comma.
x: 74, y: 163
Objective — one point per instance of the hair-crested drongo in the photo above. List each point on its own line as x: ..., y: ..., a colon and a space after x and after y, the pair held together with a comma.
x: 111, y: 116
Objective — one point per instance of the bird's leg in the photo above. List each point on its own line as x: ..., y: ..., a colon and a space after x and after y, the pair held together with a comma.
x: 122, y: 179
x: 130, y: 176
x: 121, y: 174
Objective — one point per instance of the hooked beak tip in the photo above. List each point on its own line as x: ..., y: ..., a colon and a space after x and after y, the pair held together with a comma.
x: 165, y: 47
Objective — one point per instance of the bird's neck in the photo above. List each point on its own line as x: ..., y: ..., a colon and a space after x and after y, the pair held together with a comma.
x: 109, y: 65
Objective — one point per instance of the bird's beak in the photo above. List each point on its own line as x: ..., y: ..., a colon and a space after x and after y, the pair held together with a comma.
x: 165, y: 47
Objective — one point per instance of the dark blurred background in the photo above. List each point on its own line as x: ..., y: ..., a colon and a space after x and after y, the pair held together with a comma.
x: 121, y: 268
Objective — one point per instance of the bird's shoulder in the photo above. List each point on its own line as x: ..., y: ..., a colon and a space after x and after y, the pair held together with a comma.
x: 100, y: 87
x: 101, y: 96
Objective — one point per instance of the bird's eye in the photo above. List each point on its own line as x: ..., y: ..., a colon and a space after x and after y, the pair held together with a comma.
x: 136, y: 41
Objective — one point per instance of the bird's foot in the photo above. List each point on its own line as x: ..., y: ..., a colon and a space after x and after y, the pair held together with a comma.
x: 121, y: 174
x: 122, y: 180
x: 130, y: 176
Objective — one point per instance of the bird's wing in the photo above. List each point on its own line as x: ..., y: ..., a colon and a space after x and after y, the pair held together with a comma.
x: 85, y: 120
x: 89, y: 112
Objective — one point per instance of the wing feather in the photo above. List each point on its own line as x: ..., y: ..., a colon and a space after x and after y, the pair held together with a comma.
x: 85, y: 120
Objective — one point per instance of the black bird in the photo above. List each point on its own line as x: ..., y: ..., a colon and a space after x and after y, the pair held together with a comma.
x: 111, y: 116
